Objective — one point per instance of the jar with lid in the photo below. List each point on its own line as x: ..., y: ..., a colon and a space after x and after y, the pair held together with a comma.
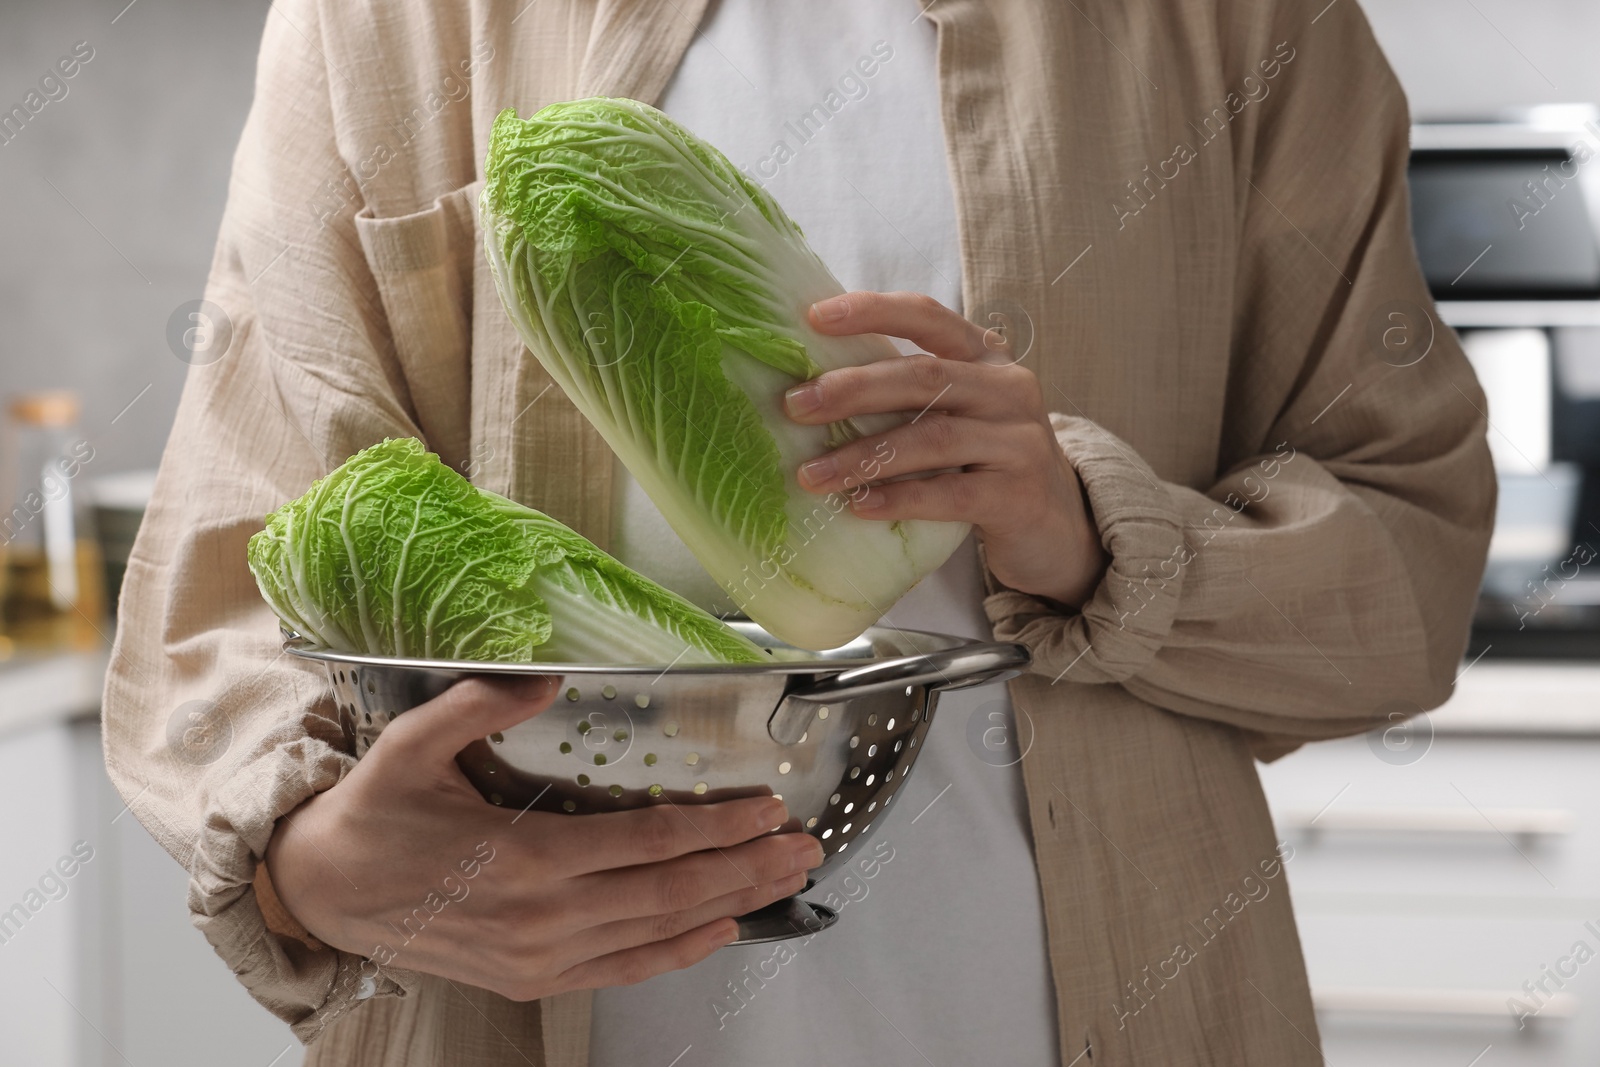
x: 52, y: 593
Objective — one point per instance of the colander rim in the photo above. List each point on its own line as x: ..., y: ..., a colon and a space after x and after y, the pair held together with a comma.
x: 825, y: 663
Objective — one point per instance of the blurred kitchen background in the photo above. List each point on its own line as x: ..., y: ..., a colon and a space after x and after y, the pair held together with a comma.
x: 1446, y: 870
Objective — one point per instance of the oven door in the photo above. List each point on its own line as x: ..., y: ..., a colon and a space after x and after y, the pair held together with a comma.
x: 1505, y: 215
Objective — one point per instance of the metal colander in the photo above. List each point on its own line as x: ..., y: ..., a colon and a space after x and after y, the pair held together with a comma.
x: 834, y: 734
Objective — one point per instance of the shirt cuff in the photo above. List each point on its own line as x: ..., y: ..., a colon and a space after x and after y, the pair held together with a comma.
x: 300, y: 980
x: 1123, y: 625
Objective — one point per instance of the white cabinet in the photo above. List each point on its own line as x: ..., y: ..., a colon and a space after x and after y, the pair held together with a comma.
x: 1432, y: 880
x: 100, y: 966
x: 42, y: 927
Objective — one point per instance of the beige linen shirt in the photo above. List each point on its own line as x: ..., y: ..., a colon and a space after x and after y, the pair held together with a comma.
x: 1191, y: 213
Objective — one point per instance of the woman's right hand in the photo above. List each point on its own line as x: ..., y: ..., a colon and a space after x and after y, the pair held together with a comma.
x: 564, y: 902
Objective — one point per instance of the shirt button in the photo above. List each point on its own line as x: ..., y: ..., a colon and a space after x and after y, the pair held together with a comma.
x: 366, y: 988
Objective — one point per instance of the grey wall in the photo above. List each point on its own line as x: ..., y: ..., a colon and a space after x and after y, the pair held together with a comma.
x: 1458, y: 57
x: 139, y: 149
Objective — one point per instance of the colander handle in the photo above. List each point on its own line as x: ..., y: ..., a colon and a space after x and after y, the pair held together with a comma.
x: 955, y: 668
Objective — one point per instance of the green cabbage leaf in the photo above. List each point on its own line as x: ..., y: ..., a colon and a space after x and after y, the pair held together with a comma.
x: 666, y: 294
x: 395, y: 554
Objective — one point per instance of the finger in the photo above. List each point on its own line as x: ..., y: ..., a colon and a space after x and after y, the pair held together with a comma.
x: 690, y: 881
x: 915, y: 384
x: 431, y: 734
x: 656, y: 834
x: 915, y: 316
x: 934, y: 442
x: 634, y: 965
x: 629, y: 933
x: 970, y: 496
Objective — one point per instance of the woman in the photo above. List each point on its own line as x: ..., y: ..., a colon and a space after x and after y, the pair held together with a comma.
x: 1221, y: 512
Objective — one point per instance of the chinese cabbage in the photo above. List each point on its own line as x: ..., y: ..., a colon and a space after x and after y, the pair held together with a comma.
x: 396, y: 554
x: 666, y: 294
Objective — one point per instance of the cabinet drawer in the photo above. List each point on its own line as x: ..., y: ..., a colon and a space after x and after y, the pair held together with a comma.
x: 1431, y: 882
x: 1472, y: 816
x: 1420, y: 989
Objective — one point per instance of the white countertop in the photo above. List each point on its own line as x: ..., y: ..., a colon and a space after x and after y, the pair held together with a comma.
x: 1543, y: 697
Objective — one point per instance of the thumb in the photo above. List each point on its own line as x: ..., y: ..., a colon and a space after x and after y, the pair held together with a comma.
x: 432, y: 733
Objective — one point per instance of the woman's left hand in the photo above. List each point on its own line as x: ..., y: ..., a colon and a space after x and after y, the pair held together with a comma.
x: 978, y: 412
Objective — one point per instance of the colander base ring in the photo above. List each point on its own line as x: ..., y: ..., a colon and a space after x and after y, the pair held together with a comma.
x: 782, y: 920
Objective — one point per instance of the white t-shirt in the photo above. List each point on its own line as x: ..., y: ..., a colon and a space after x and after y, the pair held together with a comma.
x: 939, y: 951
